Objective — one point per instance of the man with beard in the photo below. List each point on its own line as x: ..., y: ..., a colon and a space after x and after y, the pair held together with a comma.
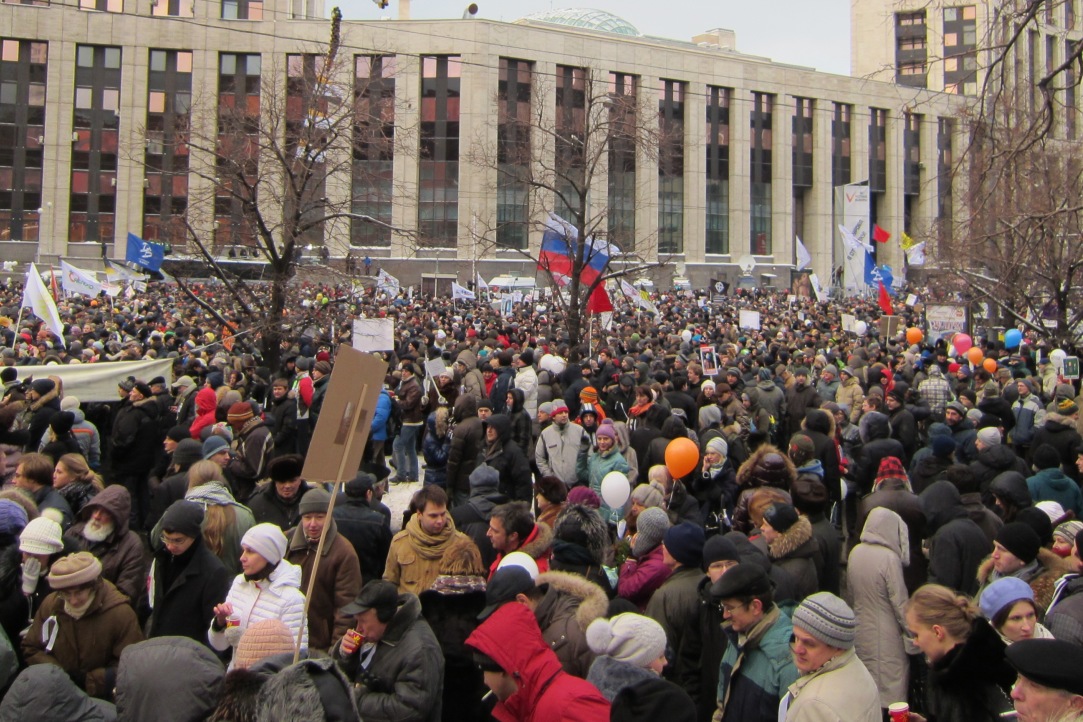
x: 276, y: 502
x: 103, y: 531
x: 417, y: 551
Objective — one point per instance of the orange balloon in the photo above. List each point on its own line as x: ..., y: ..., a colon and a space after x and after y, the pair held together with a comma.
x: 682, y: 457
x: 975, y: 355
x: 990, y: 365
x: 914, y: 336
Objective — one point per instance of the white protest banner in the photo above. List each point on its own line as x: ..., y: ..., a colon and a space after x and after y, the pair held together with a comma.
x: 749, y: 319
x: 848, y: 322
x: 461, y: 293
x: 98, y: 381
x: 76, y: 280
x: 373, y: 334
x: 943, y: 320
x: 815, y: 281
x: 852, y: 218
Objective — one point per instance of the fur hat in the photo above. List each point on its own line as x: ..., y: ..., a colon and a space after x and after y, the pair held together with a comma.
x: 267, y: 540
x: 41, y: 536
x: 581, y: 526
x: 828, y: 619
x: 651, y: 526
x: 74, y: 570
x: 632, y: 638
x: 286, y: 468
x: 552, y: 488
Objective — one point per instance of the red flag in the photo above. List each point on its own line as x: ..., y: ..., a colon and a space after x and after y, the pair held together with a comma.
x: 879, y: 234
x: 885, y: 301
x: 599, y: 300
x: 55, y: 291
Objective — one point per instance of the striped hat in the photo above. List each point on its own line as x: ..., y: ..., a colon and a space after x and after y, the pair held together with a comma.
x: 828, y: 619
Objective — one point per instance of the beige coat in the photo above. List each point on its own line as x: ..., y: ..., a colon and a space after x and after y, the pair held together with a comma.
x: 849, y: 392
x: 877, y: 593
x: 839, y: 691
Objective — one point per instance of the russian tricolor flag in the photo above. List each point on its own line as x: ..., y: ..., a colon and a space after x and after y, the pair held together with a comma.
x: 559, y: 246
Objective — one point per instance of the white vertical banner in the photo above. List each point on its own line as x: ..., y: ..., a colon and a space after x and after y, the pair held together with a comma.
x: 852, y: 212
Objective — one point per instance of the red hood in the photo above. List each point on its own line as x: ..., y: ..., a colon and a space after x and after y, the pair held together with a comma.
x: 206, y: 400
x: 512, y: 638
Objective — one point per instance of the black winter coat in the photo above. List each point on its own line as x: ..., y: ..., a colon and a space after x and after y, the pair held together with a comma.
x: 957, y: 545
x: 991, y: 463
x: 1063, y: 437
x: 467, y: 442
x: 507, y: 458
x: 971, y: 682
x: 269, y: 507
x: 369, y: 532
x: 700, y: 655
x: 135, y: 438
x: 283, y: 422
x: 184, y: 607
x: 826, y: 451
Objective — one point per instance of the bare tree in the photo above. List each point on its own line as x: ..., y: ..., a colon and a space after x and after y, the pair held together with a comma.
x: 1016, y: 241
x: 551, y: 164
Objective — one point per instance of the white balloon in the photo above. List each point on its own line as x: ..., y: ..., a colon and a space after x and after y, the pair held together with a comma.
x: 860, y: 328
x: 1057, y: 356
x: 686, y: 335
x: 520, y: 559
x: 615, y: 489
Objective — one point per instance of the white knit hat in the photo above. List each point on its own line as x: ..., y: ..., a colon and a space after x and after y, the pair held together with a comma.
x: 267, y: 540
x: 631, y: 638
x: 41, y: 536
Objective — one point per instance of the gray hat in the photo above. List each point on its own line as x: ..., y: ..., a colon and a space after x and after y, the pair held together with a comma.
x: 990, y: 436
x: 651, y: 526
x: 315, y: 501
x: 828, y: 619
x: 957, y: 407
x: 213, y: 445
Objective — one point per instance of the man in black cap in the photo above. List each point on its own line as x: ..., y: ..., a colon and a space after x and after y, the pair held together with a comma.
x: 1050, y: 685
x: 396, y: 665
x: 276, y: 502
x: 363, y: 526
x: 42, y: 401
x: 135, y: 443
x: 757, y: 667
x: 508, y: 584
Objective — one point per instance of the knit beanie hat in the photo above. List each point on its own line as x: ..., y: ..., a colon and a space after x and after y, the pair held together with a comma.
x: 484, y: 477
x: 684, y: 543
x: 828, y: 619
x: 1053, y: 510
x: 990, y: 436
x: 1067, y: 531
x: 41, y: 536
x: 12, y: 518
x: 240, y: 412
x: 315, y: 501
x: 267, y: 540
x: 188, y: 452
x: 942, y: 446
x: 1001, y: 593
x: 1037, y: 519
x: 631, y: 638
x: 262, y: 639
x: 587, y: 497
x: 780, y: 516
x: 183, y: 517
x: 1020, y: 540
x: 553, y: 489
x: 62, y: 422
x: 213, y: 445
x: 647, y: 496
x: 891, y: 468
x: 588, y: 395
x: 324, y: 367
x: 74, y: 570
x: 69, y: 403
x: 143, y: 388
x: 719, y: 446
x: 719, y: 549
x: 607, y: 429
x: 651, y: 526
x: 42, y: 386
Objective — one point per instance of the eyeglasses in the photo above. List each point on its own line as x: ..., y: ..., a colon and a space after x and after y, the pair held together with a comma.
x: 170, y: 541
x: 731, y: 608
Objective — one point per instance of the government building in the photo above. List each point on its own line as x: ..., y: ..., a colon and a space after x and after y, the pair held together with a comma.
x: 95, y: 93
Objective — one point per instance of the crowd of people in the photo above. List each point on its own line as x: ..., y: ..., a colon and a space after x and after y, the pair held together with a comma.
x: 677, y: 516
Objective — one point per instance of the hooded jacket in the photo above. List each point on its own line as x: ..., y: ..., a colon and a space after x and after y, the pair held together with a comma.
x: 877, y: 445
x: 893, y: 494
x: 338, y: 582
x: 184, y: 607
x: 1054, y: 485
x: 526, y: 379
x: 1012, y: 489
x: 570, y: 603
x: 957, y: 545
x: 278, y: 596
x: 88, y: 437
x: 467, y: 443
x: 409, y: 666
x: 546, y: 692
x: 435, y: 449
x: 878, y: 594
x: 88, y: 647
x: 135, y: 437
x: 149, y: 688
x: 206, y: 405
x: 797, y: 552
x: 45, y: 693
x: 473, y: 381
x: 507, y: 458
x: 1061, y: 434
x: 993, y: 461
x: 367, y: 530
x: 38, y: 414
x: 472, y: 518
x: 522, y: 426
x: 639, y: 578
x: 121, y: 553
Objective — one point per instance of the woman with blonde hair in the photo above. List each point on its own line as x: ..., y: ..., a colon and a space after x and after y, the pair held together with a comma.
x: 224, y: 521
x: 76, y: 481
x: 969, y: 676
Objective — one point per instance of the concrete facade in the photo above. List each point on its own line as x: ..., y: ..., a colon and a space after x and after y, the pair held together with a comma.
x: 480, y: 44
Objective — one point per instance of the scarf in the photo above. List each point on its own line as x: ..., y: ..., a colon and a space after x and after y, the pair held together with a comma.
x: 429, y: 546
x: 640, y: 409
x: 212, y: 493
x: 78, y: 612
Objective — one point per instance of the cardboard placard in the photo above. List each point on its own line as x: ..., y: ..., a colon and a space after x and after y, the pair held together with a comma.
x: 848, y: 322
x: 890, y: 326
x: 1071, y: 367
x: 352, y: 391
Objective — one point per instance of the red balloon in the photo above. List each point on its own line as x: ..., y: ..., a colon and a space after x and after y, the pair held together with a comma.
x: 682, y: 457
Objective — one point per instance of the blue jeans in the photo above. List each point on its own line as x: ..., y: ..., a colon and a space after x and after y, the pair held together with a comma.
x: 404, y: 451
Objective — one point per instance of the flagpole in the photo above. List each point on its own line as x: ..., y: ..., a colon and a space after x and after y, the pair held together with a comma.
x: 18, y: 323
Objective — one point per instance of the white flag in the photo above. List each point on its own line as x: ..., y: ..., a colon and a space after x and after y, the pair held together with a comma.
x: 386, y: 282
x: 36, y: 297
x: 915, y: 255
x: 804, y: 258
x: 482, y: 285
x: 76, y: 280
x: 459, y: 292
x: 852, y: 241
x: 815, y: 281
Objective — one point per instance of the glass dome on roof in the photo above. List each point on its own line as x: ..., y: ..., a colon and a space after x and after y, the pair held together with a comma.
x: 586, y: 18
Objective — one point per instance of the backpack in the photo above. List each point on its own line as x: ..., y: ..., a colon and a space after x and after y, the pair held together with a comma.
x: 394, y: 419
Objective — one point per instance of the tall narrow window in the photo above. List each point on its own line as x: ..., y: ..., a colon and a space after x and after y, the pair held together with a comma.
x: 622, y: 160
x: 802, y: 142
x: 165, y: 179
x: 513, y: 151
x: 1071, y: 111
x: 761, y: 117
x: 944, y: 170
x: 373, y: 149
x: 718, y: 170
x: 877, y: 150
x: 238, y: 148
x: 912, y: 154
x: 311, y: 105
x: 960, y: 50
x: 840, y: 144
x: 911, y: 53
x: 94, y: 149
x: 571, y: 99
x: 23, y: 66
x: 438, y: 205
x: 671, y: 166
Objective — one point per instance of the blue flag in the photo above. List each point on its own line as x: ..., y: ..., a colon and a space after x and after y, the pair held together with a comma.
x: 143, y: 253
x: 875, y: 274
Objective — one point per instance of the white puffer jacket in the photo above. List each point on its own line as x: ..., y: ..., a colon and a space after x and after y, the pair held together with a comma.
x: 277, y: 597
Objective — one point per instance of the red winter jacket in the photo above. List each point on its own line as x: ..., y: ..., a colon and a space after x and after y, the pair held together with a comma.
x: 546, y: 692
x: 206, y: 404
x: 639, y: 579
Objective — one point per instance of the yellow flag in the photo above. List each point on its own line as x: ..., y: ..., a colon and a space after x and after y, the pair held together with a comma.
x: 906, y: 242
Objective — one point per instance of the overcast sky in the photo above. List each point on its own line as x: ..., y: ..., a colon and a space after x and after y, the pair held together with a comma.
x: 813, y: 33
